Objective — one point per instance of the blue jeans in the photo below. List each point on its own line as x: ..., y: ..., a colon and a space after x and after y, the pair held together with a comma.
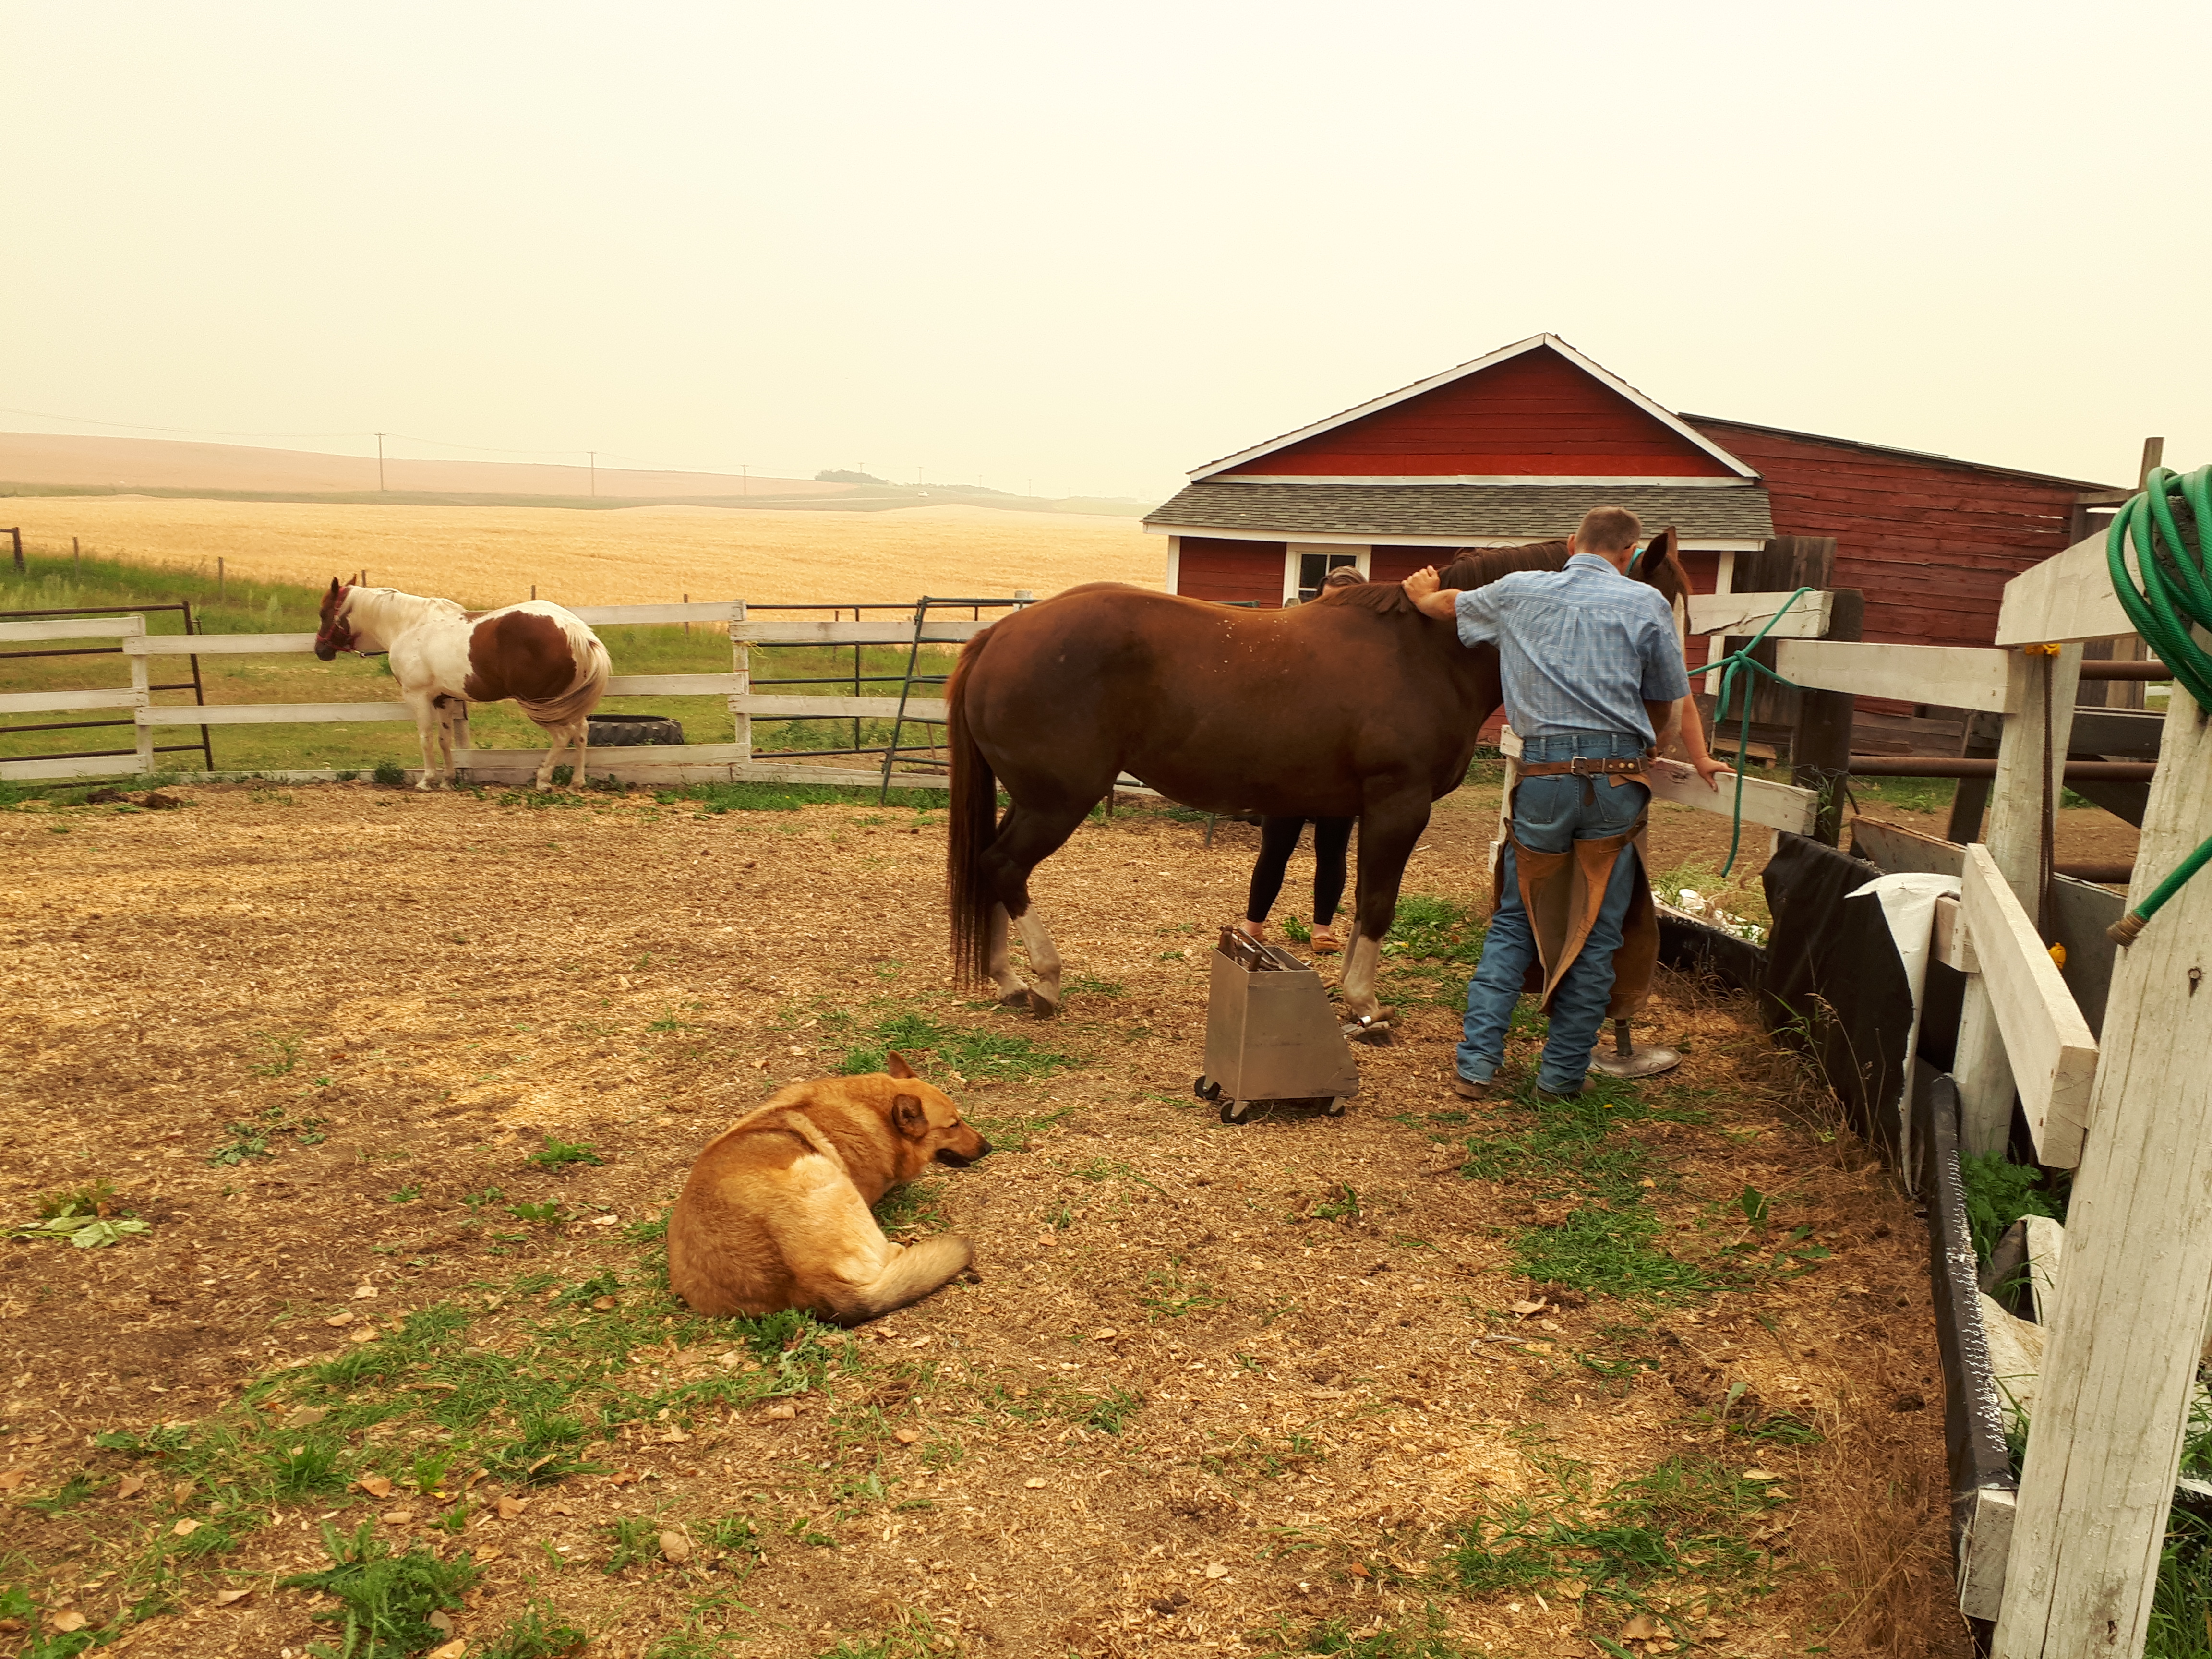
x: 1549, y: 814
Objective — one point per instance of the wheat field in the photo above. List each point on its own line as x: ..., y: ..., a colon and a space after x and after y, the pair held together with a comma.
x: 486, y: 556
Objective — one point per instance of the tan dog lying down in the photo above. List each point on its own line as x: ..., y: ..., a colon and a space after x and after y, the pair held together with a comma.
x: 777, y: 1210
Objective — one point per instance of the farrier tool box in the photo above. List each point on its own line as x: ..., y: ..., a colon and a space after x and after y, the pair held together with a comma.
x: 1271, y: 1037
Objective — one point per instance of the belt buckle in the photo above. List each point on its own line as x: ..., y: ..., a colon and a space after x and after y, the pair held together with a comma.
x: 1575, y: 765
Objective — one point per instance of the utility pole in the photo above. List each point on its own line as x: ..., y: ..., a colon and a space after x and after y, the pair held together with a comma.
x: 379, y: 464
x: 594, y: 454
x: 744, y: 478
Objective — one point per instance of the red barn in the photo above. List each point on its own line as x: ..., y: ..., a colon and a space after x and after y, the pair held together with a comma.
x: 1516, y: 446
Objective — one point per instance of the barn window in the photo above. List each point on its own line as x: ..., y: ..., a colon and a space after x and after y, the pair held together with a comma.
x: 1308, y: 566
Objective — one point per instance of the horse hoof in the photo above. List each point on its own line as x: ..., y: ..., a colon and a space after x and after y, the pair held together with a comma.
x: 1015, y: 998
x: 1042, y: 1007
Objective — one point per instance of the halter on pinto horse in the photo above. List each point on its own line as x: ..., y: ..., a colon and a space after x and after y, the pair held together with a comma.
x: 1353, y: 705
x: 446, y: 657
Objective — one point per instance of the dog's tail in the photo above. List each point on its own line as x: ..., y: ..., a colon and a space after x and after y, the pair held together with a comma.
x: 913, y: 1274
x: 974, y: 826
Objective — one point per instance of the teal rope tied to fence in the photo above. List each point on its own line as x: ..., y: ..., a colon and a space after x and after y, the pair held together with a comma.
x: 1732, y: 668
x: 2170, y: 590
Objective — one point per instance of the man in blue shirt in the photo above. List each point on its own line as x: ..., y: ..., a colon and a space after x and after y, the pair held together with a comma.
x: 1592, y: 670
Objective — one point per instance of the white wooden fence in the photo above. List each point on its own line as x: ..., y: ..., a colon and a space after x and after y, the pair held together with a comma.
x: 681, y: 763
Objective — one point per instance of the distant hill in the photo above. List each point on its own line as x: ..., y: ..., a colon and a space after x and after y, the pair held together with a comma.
x: 40, y: 464
x: 140, y: 463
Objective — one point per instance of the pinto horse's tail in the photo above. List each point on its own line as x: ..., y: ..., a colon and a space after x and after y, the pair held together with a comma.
x: 975, y: 827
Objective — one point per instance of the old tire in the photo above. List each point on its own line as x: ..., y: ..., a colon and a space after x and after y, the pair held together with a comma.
x: 630, y: 730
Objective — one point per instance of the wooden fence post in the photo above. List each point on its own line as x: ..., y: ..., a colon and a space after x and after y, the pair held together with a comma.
x: 2015, y: 841
x: 1820, y: 747
x: 17, y: 534
x: 2112, y: 1408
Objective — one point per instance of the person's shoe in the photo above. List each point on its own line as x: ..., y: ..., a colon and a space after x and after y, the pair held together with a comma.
x: 1467, y: 1089
x: 1250, y: 929
x: 1575, y: 1093
x: 1326, y: 942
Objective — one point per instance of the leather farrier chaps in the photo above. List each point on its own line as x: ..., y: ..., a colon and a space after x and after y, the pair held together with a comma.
x: 1563, y: 893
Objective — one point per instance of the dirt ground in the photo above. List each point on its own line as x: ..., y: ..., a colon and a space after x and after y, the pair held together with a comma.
x: 1218, y: 1388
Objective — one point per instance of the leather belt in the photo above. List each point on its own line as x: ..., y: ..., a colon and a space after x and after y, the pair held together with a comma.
x: 1584, y: 766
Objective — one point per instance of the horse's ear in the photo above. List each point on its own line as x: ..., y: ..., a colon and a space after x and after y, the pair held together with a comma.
x: 334, y: 587
x: 894, y: 1063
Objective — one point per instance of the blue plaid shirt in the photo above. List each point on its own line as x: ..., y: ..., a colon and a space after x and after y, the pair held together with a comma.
x: 1583, y: 649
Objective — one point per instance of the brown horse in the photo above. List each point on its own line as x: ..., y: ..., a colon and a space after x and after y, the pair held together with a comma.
x: 1352, y: 705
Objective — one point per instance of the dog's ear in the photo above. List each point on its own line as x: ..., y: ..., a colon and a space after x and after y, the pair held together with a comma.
x: 894, y: 1063
x: 908, y: 1117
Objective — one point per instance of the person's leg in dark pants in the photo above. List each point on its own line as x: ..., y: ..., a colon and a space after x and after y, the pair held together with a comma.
x: 1332, y: 837
x: 1279, y: 839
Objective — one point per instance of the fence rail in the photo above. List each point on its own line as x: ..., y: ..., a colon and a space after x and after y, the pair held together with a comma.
x: 694, y: 762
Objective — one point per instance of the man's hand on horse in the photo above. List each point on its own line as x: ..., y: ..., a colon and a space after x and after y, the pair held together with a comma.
x: 1424, y: 587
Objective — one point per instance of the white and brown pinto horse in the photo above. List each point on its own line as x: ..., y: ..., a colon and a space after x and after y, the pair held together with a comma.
x: 446, y: 657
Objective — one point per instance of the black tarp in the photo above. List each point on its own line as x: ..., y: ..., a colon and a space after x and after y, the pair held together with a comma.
x: 1834, y: 986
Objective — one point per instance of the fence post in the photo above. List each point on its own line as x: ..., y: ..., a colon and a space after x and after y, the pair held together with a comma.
x: 741, y: 665
x: 2016, y: 829
x: 17, y: 534
x: 2113, y: 1406
x: 1821, y: 746
x: 141, y: 686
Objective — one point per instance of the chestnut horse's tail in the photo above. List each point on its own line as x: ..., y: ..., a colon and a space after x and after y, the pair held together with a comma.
x: 974, y: 826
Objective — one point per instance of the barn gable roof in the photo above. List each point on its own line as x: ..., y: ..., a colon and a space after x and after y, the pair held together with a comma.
x: 1693, y: 453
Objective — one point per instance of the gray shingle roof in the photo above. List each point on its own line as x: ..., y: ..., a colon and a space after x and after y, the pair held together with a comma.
x: 1525, y: 511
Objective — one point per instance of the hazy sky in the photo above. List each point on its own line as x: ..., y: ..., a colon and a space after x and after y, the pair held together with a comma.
x: 1093, y: 247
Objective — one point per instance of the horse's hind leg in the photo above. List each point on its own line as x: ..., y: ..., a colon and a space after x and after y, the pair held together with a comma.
x: 1026, y: 839
x: 429, y: 725
x: 1390, y: 825
x: 1013, y: 990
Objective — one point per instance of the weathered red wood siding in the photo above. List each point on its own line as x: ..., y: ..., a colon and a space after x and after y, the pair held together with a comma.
x: 1534, y: 416
x: 1230, y: 572
x: 1931, y: 542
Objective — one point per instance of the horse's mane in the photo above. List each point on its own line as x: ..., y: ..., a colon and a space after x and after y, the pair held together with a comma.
x: 1384, y: 598
x: 1479, y: 567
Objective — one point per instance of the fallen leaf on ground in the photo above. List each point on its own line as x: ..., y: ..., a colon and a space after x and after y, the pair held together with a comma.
x: 1106, y: 1335
x: 231, y: 1597
x: 1359, y: 1571
x: 907, y: 1436
x: 1763, y: 1474
x: 675, y: 1437
x: 340, y: 1319
x: 623, y: 1478
x: 131, y: 1486
x: 307, y: 1416
x: 184, y: 1529
x: 375, y: 1485
x: 13, y: 1479
x: 67, y: 1619
x: 397, y: 1517
x: 1033, y: 1484
x: 362, y: 1293
x: 675, y: 1547
x: 511, y: 1507
x: 366, y: 1333
x: 180, y: 1492
x: 1642, y: 1628
x: 780, y: 1413
x: 602, y: 1303
x: 1216, y: 1570
x: 1522, y: 1309
x: 452, y: 1649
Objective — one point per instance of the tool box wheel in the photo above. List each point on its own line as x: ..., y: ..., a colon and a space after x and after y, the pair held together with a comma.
x: 1205, y: 1087
x: 1236, y: 1111
x: 1335, y: 1107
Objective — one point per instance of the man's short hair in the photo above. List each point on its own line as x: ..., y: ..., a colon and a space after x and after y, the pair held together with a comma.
x: 1607, y: 530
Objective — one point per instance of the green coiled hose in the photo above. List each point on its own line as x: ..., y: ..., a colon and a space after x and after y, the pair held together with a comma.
x: 2170, y: 589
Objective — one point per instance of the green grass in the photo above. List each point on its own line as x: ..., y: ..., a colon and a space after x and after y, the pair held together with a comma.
x: 1999, y: 1192
x: 915, y: 1636
x: 557, y: 1153
x: 539, y: 1634
x: 386, y: 1601
x: 977, y: 1054
x: 1583, y: 1147
x: 1690, y: 1514
x: 1334, y: 1637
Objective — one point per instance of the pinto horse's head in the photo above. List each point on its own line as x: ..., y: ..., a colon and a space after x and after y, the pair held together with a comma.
x: 336, y: 633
